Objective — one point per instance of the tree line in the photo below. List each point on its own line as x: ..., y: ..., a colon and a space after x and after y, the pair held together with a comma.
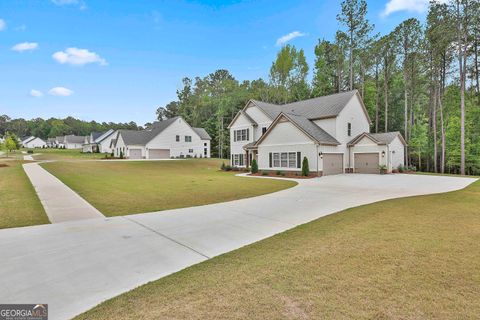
x: 420, y: 79
x: 54, y: 127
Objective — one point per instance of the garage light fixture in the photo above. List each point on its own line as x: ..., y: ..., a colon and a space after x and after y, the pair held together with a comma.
x: 383, y: 154
x: 321, y: 155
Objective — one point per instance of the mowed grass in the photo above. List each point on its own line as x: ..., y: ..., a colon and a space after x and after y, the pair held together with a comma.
x: 411, y: 258
x: 119, y: 188
x: 64, y: 154
x: 19, y: 204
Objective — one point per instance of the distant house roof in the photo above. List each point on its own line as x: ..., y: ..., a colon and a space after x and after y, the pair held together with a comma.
x: 142, y: 137
x: 96, y: 135
x: 105, y: 135
x: 74, y: 139
x: 27, y: 139
x: 202, y: 133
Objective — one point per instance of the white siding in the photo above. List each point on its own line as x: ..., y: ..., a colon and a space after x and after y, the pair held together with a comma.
x: 285, y: 137
x: 104, y: 145
x: 260, y: 118
x: 397, y: 153
x: 167, y: 140
x: 352, y: 113
x: 35, y: 143
x: 329, y: 125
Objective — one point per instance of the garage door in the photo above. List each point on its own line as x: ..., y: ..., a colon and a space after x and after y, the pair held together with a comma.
x: 159, y: 153
x: 135, y: 153
x: 366, y: 163
x: 332, y: 163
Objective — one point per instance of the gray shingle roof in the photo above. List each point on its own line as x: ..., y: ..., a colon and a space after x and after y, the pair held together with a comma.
x: 386, y: 137
x: 380, y: 138
x: 141, y: 138
x: 96, y: 135
x: 74, y: 139
x: 315, y: 108
x: 312, y: 129
x: 202, y: 133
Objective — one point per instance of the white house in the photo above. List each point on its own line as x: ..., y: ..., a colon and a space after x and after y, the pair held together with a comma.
x: 171, y: 138
x: 71, y: 141
x: 99, y: 141
x: 332, y: 132
x: 33, y: 142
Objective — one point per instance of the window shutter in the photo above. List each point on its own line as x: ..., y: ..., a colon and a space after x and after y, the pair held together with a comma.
x: 270, y: 159
x: 234, y: 135
x: 248, y: 134
x: 299, y: 160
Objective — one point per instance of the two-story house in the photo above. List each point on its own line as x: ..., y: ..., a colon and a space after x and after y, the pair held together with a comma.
x: 332, y: 132
x: 171, y: 138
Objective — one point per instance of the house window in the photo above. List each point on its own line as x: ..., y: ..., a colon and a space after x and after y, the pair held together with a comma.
x: 188, y: 138
x: 205, y: 152
x: 349, y: 129
x: 190, y: 150
x: 283, y: 158
x: 276, y: 160
x: 286, y: 159
x: 205, y: 144
x: 238, y: 159
x: 177, y: 138
x: 264, y: 129
x: 292, y: 160
x: 241, y: 135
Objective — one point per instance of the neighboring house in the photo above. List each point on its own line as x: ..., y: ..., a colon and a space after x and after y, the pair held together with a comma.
x: 332, y: 132
x: 99, y: 142
x: 33, y: 142
x: 171, y: 138
x: 51, y: 143
x: 73, y: 142
x: 60, y: 142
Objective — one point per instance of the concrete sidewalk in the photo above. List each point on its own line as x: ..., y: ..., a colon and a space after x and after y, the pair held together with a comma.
x: 59, y: 201
x: 74, y: 266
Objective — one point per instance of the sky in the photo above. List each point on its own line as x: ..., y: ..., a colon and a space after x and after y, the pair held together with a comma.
x: 118, y: 61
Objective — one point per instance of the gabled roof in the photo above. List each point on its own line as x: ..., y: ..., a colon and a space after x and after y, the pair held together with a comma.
x: 316, y: 108
x: 27, y: 139
x: 242, y: 112
x: 96, y: 135
x: 202, y: 133
x: 142, y: 137
x: 379, y: 138
x: 305, y: 125
x: 104, y: 135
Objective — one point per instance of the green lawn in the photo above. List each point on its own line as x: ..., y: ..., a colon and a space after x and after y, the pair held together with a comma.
x: 19, y: 204
x: 119, y: 188
x: 411, y: 258
x: 64, y: 154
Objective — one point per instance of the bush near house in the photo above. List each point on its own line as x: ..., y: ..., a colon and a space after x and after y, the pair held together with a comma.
x: 254, y: 168
x: 305, y: 168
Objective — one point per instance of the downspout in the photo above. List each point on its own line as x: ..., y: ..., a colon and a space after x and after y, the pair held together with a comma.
x: 317, y: 155
x: 388, y: 159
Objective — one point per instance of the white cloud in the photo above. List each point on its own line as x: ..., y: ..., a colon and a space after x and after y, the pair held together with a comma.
x: 36, y: 93
x: 418, y: 6
x: 78, y: 57
x: 3, y: 25
x: 25, y: 46
x: 21, y: 28
x: 292, y: 35
x: 60, y: 92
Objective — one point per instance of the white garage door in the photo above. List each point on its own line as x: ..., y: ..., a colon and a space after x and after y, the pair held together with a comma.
x: 332, y: 163
x: 135, y: 153
x: 366, y: 163
x: 159, y: 153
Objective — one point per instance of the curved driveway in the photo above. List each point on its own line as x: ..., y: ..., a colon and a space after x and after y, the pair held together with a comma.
x: 73, y: 266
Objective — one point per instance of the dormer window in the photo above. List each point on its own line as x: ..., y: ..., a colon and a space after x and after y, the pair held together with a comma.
x: 349, y: 129
x: 264, y: 129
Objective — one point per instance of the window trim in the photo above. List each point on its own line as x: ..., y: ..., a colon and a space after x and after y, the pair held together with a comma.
x: 286, y: 160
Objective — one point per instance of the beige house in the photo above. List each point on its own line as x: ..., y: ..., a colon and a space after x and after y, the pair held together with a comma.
x: 332, y: 132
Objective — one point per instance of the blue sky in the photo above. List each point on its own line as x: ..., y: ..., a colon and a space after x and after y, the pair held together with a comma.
x: 119, y: 60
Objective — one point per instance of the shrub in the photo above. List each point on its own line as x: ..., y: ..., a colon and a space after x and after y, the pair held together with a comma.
x: 30, y: 151
x: 254, y: 168
x: 235, y: 169
x: 383, y: 169
x: 401, y: 168
x: 222, y: 167
x: 228, y: 168
x: 121, y: 154
x: 305, y: 168
x: 412, y: 168
x: 112, y: 154
x: 264, y: 173
x: 279, y: 173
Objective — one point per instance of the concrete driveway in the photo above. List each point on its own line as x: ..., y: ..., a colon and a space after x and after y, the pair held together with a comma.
x: 73, y: 266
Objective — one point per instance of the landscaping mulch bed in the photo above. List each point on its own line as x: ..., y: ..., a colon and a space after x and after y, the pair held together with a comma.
x: 285, y: 175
